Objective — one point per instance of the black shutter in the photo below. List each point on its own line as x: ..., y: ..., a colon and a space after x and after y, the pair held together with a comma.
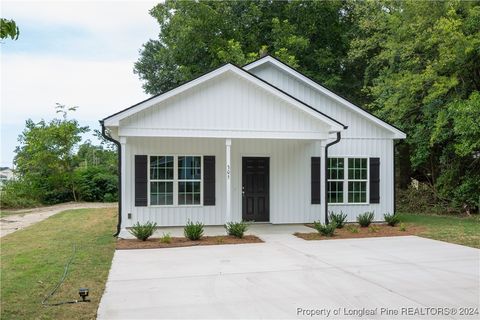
x: 141, y: 180
x: 209, y: 180
x: 374, y: 180
x: 315, y: 180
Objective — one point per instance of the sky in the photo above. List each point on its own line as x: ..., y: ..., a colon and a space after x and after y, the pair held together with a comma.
x: 76, y: 53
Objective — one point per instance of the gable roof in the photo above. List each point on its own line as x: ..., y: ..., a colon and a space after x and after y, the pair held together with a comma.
x: 113, y: 120
x: 399, y: 134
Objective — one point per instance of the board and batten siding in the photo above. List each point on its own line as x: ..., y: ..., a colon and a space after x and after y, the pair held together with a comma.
x: 289, y: 179
x: 363, y: 138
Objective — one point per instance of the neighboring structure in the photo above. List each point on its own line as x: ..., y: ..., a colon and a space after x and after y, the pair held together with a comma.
x: 250, y: 143
x: 6, y: 174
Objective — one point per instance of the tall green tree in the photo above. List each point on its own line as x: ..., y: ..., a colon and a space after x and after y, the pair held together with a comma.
x: 197, y: 36
x: 45, y: 158
x: 8, y: 29
x: 422, y: 72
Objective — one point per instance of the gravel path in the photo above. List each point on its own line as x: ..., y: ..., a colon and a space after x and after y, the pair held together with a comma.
x: 27, y: 217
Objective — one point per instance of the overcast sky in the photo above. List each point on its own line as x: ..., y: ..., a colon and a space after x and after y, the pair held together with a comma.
x: 77, y: 53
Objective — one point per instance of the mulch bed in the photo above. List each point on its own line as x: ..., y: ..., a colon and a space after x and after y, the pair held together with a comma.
x: 382, y: 230
x: 154, y: 243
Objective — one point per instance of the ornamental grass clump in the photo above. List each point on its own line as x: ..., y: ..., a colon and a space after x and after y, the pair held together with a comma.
x: 327, y: 230
x: 339, y: 219
x: 193, y: 231
x: 143, y: 231
x: 236, y: 229
x: 365, y: 219
x: 391, y: 219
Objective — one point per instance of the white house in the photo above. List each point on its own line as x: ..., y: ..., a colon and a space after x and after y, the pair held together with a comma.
x: 251, y: 143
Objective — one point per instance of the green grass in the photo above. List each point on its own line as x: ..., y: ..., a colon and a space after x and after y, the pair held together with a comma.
x: 32, y: 262
x: 459, y: 230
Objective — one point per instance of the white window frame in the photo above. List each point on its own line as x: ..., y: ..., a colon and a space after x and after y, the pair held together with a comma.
x: 336, y: 180
x: 150, y: 180
x: 346, y: 180
x: 175, y: 181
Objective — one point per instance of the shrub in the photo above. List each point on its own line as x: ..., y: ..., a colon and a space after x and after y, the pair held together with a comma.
x: 143, y: 231
x: 373, y: 228
x: 327, y: 230
x: 236, y: 229
x: 403, y: 227
x: 193, y: 231
x: 365, y: 219
x: 166, y: 238
x: 339, y: 219
x: 391, y: 219
x: 17, y: 194
x: 352, y: 228
x: 96, y: 183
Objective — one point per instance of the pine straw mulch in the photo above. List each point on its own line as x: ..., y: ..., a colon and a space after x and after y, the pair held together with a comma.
x: 379, y: 230
x: 155, y: 243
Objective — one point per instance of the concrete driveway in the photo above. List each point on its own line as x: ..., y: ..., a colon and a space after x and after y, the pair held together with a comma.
x: 290, y: 278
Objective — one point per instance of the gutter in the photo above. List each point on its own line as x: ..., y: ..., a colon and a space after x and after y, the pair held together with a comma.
x: 339, y: 136
x: 119, y: 154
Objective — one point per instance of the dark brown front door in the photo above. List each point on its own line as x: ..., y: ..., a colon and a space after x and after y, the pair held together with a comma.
x: 255, y: 189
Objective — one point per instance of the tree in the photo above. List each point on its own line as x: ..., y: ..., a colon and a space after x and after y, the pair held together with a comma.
x: 423, y: 74
x: 196, y: 37
x: 45, y: 158
x: 8, y: 28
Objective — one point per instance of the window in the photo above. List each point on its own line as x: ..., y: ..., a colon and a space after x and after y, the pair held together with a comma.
x: 175, y: 180
x: 357, y: 180
x: 161, y: 180
x: 335, y: 180
x: 189, y: 180
x: 350, y: 187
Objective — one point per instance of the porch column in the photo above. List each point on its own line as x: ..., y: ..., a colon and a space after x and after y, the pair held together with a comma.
x: 123, y: 173
x: 228, y: 211
x: 323, y: 179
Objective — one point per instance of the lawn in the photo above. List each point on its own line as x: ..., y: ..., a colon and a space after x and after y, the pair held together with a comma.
x: 33, y: 259
x: 459, y: 230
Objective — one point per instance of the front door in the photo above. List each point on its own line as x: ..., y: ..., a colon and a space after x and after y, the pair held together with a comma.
x: 255, y: 189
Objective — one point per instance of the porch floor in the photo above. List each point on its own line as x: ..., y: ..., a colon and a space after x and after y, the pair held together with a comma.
x: 257, y: 229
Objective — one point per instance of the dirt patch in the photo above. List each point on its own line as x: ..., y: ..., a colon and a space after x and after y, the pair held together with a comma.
x: 153, y: 243
x: 377, y: 230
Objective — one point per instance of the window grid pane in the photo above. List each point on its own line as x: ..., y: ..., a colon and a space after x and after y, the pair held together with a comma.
x: 357, y: 180
x: 189, y: 180
x: 161, y: 180
x: 335, y: 174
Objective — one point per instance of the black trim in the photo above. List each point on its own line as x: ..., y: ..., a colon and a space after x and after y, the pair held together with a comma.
x: 119, y: 169
x: 208, y: 180
x: 337, y: 140
x: 245, y: 71
x: 374, y: 180
x: 363, y: 109
x: 315, y: 180
x: 141, y: 180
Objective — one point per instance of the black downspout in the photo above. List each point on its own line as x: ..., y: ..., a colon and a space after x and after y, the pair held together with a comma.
x: 119, y: 154
x: 339, y: 136
x: 394, y: 181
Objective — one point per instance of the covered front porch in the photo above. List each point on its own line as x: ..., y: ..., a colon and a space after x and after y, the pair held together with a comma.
x: 280, y: 193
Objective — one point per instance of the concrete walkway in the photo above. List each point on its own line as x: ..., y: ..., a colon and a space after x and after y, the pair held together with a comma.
x: 290, y: 278
x: 27, y: 217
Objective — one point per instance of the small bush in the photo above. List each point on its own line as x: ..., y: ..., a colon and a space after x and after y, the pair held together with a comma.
x: 339, y: 219
x: 193, y: 231
x: 166, y: 238
x: 352, y: 228
x: 16, y: 194
x: 391, y: 219
x: 327, y: 230
x: 236, y: 229
x: 403, y: 227
x: 365, y: 219
x: 373, y: 228
x: 143, y: 231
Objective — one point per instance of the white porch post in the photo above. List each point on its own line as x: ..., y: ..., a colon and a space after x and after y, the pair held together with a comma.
x: 323, y: 179
x: 123, y: 169
x: 228, y: 211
